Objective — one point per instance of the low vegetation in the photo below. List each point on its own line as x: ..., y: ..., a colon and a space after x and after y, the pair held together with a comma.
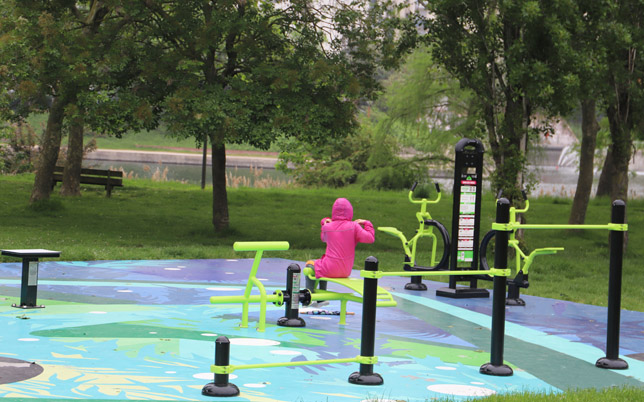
x: 584, y: 395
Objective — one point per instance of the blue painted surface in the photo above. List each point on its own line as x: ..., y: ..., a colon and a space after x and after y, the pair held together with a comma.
x: 145, y: 330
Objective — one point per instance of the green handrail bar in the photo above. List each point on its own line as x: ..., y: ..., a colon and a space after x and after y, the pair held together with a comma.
x: 509, y: 227
x: 380, y: 274
x: 231, y: 368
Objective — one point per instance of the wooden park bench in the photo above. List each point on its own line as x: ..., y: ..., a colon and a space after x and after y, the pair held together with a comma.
x: 101, y: 177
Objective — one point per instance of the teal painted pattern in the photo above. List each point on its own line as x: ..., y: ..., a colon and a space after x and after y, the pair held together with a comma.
x: 150, y: 332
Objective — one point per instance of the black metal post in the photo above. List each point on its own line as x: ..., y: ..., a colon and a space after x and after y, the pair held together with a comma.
x: 292, y: 299
x: 416, y: 282
x: 366, y: 376
x: 29, y: 281
x: 612, y: 360
x: 496, y: 366
x: 221, y: 387
x: 29, y: 287
x: 514, y: 294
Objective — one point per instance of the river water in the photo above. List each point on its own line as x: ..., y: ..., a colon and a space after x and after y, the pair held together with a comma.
x: 237, y: 176
x: 551, y: 180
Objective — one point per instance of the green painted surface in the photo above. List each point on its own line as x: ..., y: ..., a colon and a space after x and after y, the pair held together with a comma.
x: 570, y: 373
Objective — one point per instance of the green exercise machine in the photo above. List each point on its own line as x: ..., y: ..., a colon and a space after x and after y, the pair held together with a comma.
x: 292, y: 296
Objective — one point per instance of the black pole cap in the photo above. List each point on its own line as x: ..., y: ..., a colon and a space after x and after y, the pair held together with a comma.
x: 500, y: 371
x: 612, y: 364
x: 366, y: 379
x: 220, y: 390
x: 371, y: 263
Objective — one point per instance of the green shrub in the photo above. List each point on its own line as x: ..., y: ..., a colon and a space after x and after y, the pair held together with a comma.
x: 365, y: 157
x: 339, y: 174
x: 17, y: 142
x: 387, y: 177
x: 424, y: 190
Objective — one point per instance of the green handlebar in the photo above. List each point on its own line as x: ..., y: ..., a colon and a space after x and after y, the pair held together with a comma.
x: 260, y: 245
x: 423, y: 200
x: 525, y: 208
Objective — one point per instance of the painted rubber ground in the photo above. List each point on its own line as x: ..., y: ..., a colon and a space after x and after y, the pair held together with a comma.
x: 145, y: 330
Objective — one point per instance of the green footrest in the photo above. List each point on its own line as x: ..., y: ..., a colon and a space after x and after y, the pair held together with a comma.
x: 385, y: 299
x: 546, y: 250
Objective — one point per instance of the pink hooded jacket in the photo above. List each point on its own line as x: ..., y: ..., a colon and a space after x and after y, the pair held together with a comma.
x: 341, y: 236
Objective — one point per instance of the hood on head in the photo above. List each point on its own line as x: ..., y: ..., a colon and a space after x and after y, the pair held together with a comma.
x: 342, y: 210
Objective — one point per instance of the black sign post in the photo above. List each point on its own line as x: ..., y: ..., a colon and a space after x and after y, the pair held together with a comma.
x: 466, y: 218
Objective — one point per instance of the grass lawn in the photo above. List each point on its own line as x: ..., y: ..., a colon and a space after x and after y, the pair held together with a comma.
x: 586, y: 395
x: 166, y: 220
x: 152, y: 220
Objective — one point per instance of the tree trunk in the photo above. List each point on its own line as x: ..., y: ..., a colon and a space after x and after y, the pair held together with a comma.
x: 620, y: 133
x: 49, y: 148
x: 589, y: 130
x: 204, y: 161
x: 495, y: 149
x: 513, y: 161
x: 603, y: 187
x: 220, y: 217
x: 74, y: 160
x: 513, y: 126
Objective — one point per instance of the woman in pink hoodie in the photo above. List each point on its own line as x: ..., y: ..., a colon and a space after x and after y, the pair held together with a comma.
x: 341, y: 235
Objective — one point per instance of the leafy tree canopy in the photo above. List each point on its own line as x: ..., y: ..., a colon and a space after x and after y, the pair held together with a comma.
x: 249, y: 71
x: 253, y: 71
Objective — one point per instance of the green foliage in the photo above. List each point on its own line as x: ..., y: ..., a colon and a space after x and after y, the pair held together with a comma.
x: 424, y: 107
x: 335, y: 164
x: 387, y: 170
x: 523, y: 59
x: 232, y: 71
x: 17, y: 151
x: 259, y: 71
x: 339, y: 174
x: 252, y: 72
x: 389, y: 177
x: 516, y: 60
x: 366, y: 158
x: 423, y: 190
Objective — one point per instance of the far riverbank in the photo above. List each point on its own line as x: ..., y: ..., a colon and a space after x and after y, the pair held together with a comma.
x: 553, y: 178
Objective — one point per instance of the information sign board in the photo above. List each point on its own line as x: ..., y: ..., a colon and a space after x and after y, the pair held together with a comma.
x: 466, y: 216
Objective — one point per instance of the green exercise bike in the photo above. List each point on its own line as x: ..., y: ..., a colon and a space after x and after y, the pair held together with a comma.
x: 523, y: 261
x: 426, y: 228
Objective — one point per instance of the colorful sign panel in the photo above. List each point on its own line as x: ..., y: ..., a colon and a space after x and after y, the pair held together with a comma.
x: 466, y: 219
